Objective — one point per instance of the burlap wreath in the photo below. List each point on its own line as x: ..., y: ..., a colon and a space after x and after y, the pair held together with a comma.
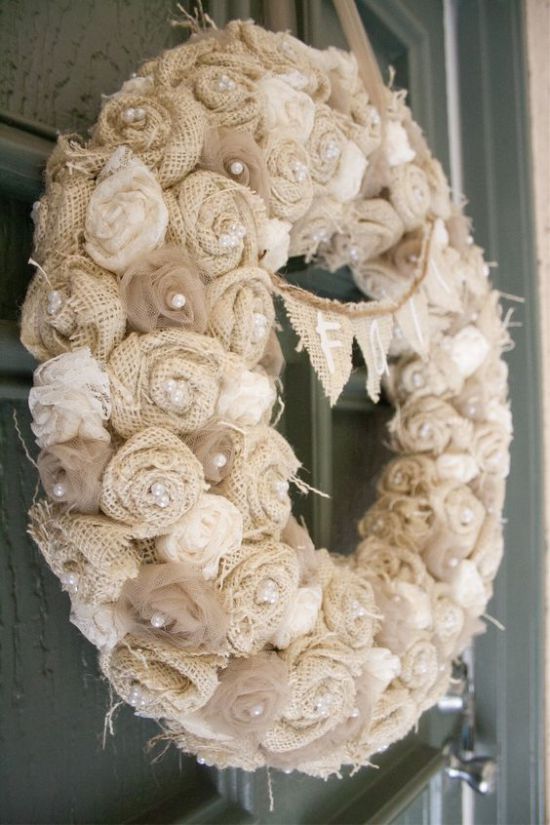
x: 168, y: 511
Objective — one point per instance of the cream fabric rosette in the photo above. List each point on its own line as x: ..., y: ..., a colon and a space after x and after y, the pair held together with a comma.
x: 75, y: 305
x: 159, y: 679
x: 393, y: 716
x: 410, y: 475
x: 259, y: 582
x: 401, y: 520
x: 91, y: 555
x: 300, y: 616
x: 172, y: 603
x: 337, y: 164
x: 101, y: 624
x: 241, y: 312
x: 405, y: 610
x: 218, y: 221
x: 487, y: 553
x: 247, y: 396
x: 126, y: 215
x: 211, y: 529
x: 151, y: 482
x: 416, y: 377
x: 448, y: 620
x: 458, y: 518
x: 429, y: 425
x: 410, y: 194
x: 377, y: 560
x: 440, y: 198
x: 170, y: 378
x: 322, y: 694
x: 71, y: 473
x: 235, y: 154
x: 258, y: 483
x: 316, y: 227
x: 230, y: 93
x: 490, y: 447
x: 372, y: 227
x: 165, y: 129
x: 286, y: 111
x: 420, y: 672
x: 291, y: 187
x: 349, y: 609
x: 162, y: 290
x: 70, y: 399
x: 274, y: 243
x: 397, y: 147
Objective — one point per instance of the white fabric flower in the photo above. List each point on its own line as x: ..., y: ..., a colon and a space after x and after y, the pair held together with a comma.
x: 210, y: 530
x: 457, y: 466
x: 398, y: 148
x: 382, y: 665
x: 274, y: 238
x: 71, y: 397
x: 499, y: 413
x: 300, y: 616
x: 127, y: 216
x: 287, y: 111
x: 103, y: 625
x: 468, y: 349
x: 338, y: 63
x: 467, y: 588
x: 346, y: 183
x: 137, y: 86
x: 415, y: 604
x: 246, y: 396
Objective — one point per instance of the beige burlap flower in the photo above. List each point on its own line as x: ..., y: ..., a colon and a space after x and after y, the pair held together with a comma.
x: 429, y: 425
x: 349, y: 609
x: 74, y: 305
x: 458, y: 518
x: 241, y: 312
x: 490, y: 448
x: 325, y: 145
x: 487, y: 553
x: 420, y: 670
x: 410, y: 194
x: 400, y: 520
x: 229, y: 94
x: 151, y: 482
x: 411, y: 475
x: 375, y: 559
x: 71, y: 473
x: 316, y: 227
x: 162, y: 290
x: 291, y: 188
x: 170, y: 378
x: 371, y: 227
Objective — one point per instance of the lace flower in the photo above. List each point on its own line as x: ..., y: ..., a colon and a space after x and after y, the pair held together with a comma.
x: 246, y: 397
x: 286, y: 110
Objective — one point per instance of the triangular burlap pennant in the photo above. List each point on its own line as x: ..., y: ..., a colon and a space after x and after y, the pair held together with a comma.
x: 413, y: 321
x: 328, y: 339
x: 374, y: 337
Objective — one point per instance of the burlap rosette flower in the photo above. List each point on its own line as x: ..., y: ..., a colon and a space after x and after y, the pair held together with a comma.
x: 227, y: 89
x: 291, y: 188
x: 400, y: 520
x: 74, y: 305
x: 410, y: 194
x: 375, y: 559
x: 393, y: 716
x: 158, y: 679
x: 349, y: 609
x: 220, y: 751
x: 171, y: 378
x: 487, y: 553
x: 92, y: 556
x: 258, y: 582
x: 259, y: 481
x: 151, y: 482
x: 337, y: 164
x: 371, y: 227
x: 458, y: 518
x: 316, y: 227
x: 411, y: 475
x: 164, y: 129
x: 420, y: 669
x: 405, y: 609
x: 217, y: 220
x: 429, y: 425
x: 241, y: 312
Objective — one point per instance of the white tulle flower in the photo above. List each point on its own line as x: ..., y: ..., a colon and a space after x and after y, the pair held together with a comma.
x: 103, y: 625
x: 300, y: 616
x: 499, y: 413
x: 246, y: 396
x: 70, y: 398
x: 127, y: 216
x: 398, y: 148
x: 467, y: 588
x: 211, y: 529
x: 287, y: 111
x: 468, y: 349
x: 346, y: 183
x: 415, y: 603
x: 338, y: 63
x: 457, y: 466
x: 137, y: 86
x: 382, y: 665
x: 274, y: 238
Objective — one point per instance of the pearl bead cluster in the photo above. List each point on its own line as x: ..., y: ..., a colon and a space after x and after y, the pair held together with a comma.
x: 136, y: 697
x: 323, y: 704
x: 55, y: 302
x: 225, y: 83
x: 332, y: 150
x: 70, y: 582
x: 320, y: 236
x: 280, y: 488
x: 176, y: 392
x: 132, y: 115
x: 267, y: 592
x: 299, y: 171
x: 357, y: 610
x: 467, y: 516
x: 231, y: 239
x: 259, y: 327
x: 160, y: 495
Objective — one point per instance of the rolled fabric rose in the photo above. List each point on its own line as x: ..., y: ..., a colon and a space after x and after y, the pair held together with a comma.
x: 419, y: 668
x: 151, y: 482
x: 220, y: 222
x: 91, y: 555
x: 159, y: 679
x: 247, y: 396
x: 251, y: 695
x: 401, y: 520
x: 162, y: 290
x: 393, y: 716
x: 316, y: 227
x: 126, y: 215
x: 259, y: 480
x: 236, y: 155
x: 411, y: 475
x: 376, y: 559
x: 458, y: 518
x: 170, y: 378
x: 224, y: 752
x: 397, y: 148
x: 291, y: 188
x: 491, y: 491
x: 164, y: 129
x: 70, y: 399
x: 229, y: 95
x: 258, y: 581
x: 62, y: 211
x: 487, y: 553
x: 274, y: 244
x: 468, y: 589
x: 448, y: 620
x: 429, y: 425
x: 174, y: 67
x: 211, y: 529
x: 416, y: 377
x: 103, y: 625
x: 272, y: 360
x: 349, y: 609
x: 172, y: 602
x: 322, y: 694
x: 457, y: 466
x: 325, y: 145
x: 490, y: 448
x: 300, y: 617
x: 372, y: 227
x: 241, y: 312
x: 71, y: 473
x: 440, y: 200
x: 405, y: 612
x: 214, y: 447
x: 286, y: 111
x: 76, y: 306
x: 410, y: 194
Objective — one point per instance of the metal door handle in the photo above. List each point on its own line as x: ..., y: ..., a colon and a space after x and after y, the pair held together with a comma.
x: 478, y: 771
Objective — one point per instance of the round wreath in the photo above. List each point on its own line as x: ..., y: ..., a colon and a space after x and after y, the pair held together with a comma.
x: 167, y: 516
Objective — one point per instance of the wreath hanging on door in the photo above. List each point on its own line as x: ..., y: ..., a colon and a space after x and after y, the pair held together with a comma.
x: 167, y: 515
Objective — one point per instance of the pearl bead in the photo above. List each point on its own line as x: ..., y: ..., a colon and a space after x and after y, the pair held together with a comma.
x: 158, y: 489
x: 226, y: 241
x: 471, y: 410
x: 486, y: 270
x: 332, y: 150
x: 201, y: 761
x: 236, y: 168
x: 323, y: 704
x: 354, y: 253
x: 238, y: 230
x: 163, y: 501
x: 259, y: 327
x: 281, y: 489
x: 469, y: 240
x: 158, y: 620
x: 267, y: 592
x: 256, y: 710
x: 355, y: 713
x: 382, y: 749
x: 425, y: 430
x: 219, y: 461
x: 129, y: 115
x: 69, y: 582
x: 55, y: 302
x: 59, y: 490
x: 139, y: 114
x: 417, y: 379
x: 178, y: 300
x: 467, y: 515
x: 418, y: 194
x: 375, y: 118
x: 358, y: 610
x: 287, y: 770
x: 453, y: 562
x: 398, y: 477
x: 299, y: 171
x: 169, y: 386
x: 225, y: 83
x: 178, y: 397
x: 321, y: 236
x: 412, y: 259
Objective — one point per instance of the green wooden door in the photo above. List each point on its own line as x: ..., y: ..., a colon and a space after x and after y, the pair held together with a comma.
x: 59, y: 57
